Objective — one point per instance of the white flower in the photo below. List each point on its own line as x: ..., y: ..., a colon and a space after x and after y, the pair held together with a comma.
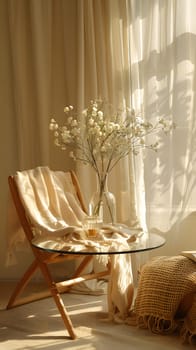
x: 94, y: 113
x: 53, y: 125
x: 91, y: 121
x: 75, y: 131
x: 74, y: 123
x: 66, y: 136
x: 100, y: 115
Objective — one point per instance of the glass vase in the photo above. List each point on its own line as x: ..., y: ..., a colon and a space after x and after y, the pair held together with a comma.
x: 103, y: 202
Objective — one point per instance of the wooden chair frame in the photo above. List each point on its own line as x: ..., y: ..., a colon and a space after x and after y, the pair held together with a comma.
x: 43, y: 259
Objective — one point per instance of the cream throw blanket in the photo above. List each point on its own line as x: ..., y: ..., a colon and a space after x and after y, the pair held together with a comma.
x: 166, y: 297
x: 56, y: 216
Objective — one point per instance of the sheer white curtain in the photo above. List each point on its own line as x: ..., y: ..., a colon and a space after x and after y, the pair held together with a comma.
x: 163, y: 56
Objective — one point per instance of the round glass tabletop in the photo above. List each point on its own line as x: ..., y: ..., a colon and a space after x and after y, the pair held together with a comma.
x: 93, y: 246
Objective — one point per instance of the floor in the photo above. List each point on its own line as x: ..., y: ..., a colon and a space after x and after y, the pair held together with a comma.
x: 38, y: 326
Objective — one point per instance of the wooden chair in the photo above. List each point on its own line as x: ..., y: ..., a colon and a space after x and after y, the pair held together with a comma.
x: 43, y: 259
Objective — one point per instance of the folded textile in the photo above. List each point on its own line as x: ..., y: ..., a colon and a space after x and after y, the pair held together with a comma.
x: 166, y: 297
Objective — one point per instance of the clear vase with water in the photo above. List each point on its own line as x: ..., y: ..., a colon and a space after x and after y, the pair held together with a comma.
x: 103, y: 202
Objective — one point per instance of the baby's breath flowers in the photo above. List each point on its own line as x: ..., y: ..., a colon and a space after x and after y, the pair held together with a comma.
x: 101, y: 137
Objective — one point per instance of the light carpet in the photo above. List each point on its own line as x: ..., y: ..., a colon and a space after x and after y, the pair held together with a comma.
x: 39, y: 326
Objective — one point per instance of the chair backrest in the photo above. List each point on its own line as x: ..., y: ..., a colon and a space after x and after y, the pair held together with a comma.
x: 24, y: 221
x: 19, y: 205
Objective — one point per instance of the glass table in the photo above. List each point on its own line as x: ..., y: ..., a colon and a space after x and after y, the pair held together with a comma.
x: 148, y: 241
x: 121, y: 263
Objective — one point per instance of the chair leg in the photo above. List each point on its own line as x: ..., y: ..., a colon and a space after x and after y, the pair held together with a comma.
x: 58, y: 300
x: 64, y: 314
x: 22, y: 284
x: 82, y: 266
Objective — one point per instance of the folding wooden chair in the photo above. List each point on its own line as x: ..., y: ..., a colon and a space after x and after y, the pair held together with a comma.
x: 42, y: 259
